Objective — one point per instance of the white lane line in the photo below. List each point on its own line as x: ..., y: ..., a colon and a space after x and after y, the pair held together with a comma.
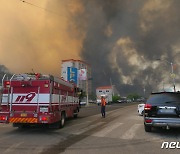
x: 129, y: 134
x: 83, y: 130
x: 14, y: 146
x: 107, y: 130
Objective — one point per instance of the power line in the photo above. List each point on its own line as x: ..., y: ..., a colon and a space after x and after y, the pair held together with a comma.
x: 39, y: 7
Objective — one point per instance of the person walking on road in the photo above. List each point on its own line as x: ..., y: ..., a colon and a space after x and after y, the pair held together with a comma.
x: 103, y: 106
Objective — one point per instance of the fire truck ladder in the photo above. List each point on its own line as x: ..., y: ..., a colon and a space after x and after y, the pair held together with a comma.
x: 11, y: 88
x: 3, y: 80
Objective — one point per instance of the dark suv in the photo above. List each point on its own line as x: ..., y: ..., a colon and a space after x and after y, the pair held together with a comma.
x: 162, y: 110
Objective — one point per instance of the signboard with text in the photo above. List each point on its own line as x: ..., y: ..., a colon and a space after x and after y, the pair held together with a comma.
x: 72, y: 74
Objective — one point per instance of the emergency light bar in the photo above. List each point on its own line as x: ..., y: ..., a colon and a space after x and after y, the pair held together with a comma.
x: 7, y: 84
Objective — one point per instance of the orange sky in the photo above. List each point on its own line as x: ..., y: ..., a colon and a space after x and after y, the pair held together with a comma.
x: 32, y: 38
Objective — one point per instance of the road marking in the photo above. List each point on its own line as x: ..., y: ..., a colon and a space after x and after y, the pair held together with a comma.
x: 80, y: 131
x: 129, y: 134
x: 107, y: 130
x: 11, y: 148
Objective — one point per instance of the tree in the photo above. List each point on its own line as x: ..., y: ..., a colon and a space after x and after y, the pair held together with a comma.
x: 133, y: 96
x: 115, y: 98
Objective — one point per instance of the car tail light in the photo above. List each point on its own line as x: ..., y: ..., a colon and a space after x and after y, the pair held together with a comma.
x: 147, y: 107
x: 3, y: 118
x: 148, y: 120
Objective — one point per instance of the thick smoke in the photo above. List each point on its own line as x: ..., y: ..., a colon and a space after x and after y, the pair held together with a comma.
x: 37, y: 38
x: 3, y: 71
x: 124, y: 38
x: 120, y: 39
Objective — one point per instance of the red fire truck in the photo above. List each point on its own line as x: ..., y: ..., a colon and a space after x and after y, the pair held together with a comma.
x: 31, y: 99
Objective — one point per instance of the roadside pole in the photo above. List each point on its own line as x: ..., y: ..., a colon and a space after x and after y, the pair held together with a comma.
x: 87, y: 95
x: 172, y: 72
x: 173, y: 76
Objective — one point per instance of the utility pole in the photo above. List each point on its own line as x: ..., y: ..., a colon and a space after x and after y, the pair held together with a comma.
x: 172, y: 72
x: 87, y: 90
x: 163, y: 86
x: 173, y: 76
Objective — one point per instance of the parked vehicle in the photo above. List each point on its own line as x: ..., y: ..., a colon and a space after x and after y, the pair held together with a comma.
x: 162, y: 110
x: 122, y: 100
x: 141, y: 109
x: 98, y: 101
x: 32, y: 99
x: 129, y: 100
x: 83, y: 102
x: 141, y: 100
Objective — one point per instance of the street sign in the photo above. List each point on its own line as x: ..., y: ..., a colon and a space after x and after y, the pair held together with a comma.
x: 72, y: 74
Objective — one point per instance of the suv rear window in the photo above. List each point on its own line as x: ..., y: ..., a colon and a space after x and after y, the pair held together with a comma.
x: 164, y: 98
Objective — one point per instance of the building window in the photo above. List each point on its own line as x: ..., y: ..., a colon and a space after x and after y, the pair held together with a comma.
x: 100, y: 91
x: 107, y: 90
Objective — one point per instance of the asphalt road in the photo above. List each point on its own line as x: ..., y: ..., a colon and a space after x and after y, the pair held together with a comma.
x: 121, y: 131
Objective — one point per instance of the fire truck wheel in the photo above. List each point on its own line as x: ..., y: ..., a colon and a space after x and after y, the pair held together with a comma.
x: 62, y: 121
x: 20, y: 126
x: 76, y: 113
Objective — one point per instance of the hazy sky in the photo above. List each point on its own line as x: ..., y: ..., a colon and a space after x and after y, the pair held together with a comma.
x: 32, y: 38
x: 120, y: 39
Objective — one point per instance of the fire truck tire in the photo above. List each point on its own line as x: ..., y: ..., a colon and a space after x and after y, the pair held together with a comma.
x: 20, y: 126
x: 62, y: 121
x: 14, y: 125
x: 76, y: 113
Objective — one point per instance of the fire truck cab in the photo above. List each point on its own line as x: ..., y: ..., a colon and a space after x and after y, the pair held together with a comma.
x: 31, y: 99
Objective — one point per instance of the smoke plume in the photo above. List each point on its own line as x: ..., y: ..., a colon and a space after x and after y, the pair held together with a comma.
x: 33, y: 38
x: 3, y: 71
x: 124, y: 38
x: 120, y: 39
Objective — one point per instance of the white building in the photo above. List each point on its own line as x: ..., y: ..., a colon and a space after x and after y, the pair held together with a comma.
x: 77, y: 64
x: 107, y: 91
